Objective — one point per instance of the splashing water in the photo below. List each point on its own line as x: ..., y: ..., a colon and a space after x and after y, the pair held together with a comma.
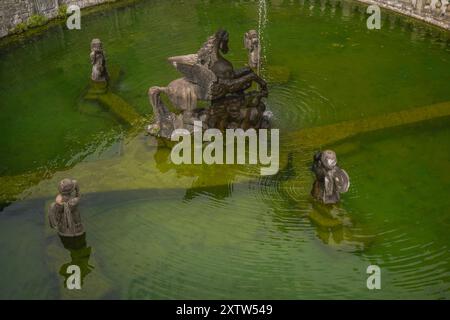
x: 262, y: 22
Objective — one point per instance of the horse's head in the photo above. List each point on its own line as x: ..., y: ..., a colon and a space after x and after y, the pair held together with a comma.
x: 222, y: 40
x: 208, y: 53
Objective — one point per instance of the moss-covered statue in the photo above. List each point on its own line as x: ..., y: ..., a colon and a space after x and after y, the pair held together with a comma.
x: 331, y: 180
x: 98, y: 61
x: 64, y: 215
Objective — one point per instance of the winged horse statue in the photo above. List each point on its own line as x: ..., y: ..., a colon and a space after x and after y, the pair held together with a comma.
x: 208, y: 76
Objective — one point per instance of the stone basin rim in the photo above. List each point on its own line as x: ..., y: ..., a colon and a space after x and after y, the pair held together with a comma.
x: 88, y: 7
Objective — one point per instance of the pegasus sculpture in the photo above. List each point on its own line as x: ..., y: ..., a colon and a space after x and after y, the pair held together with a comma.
x: 209, y: 77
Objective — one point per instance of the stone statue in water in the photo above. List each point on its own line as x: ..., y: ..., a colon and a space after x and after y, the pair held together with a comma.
x: 251, y: 43
x: 331, y: 180
x: 208, y: 76
x: 98, y: 61
x: 63, y: 213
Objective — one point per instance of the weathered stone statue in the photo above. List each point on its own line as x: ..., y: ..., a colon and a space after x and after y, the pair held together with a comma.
x: 251, y: 43
x: 331, y: 180
x: 98, y: 61
x: 63, y: 213
x: 208, y: 76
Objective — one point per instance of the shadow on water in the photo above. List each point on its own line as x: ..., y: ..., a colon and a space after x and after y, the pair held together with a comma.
x: 79, y: 256
x: 202, y: 177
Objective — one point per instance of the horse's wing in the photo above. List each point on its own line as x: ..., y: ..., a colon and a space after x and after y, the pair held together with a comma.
x: 195, y: 73
x: 184, y: 64
x: 204, y: 78
x: 190, y: 59
x: 187, y: 71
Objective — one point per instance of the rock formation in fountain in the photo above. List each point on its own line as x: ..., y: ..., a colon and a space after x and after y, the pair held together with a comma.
x: 98, y: 61
x: 209, y: 77
x: 63, y: 213
x: 331, y: 180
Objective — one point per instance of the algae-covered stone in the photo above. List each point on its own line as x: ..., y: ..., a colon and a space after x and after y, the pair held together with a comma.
x: 101, y: 93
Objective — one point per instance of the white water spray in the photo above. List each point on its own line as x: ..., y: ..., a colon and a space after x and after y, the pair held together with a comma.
x: 262, y: 22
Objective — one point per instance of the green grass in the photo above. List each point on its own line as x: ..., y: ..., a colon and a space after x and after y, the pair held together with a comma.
x: 36, y: 20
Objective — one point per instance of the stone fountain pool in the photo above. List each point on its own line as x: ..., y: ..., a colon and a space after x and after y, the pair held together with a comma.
x: 156, y: 230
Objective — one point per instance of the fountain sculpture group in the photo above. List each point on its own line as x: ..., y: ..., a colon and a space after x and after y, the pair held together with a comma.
x: 231, y: 103
x: 208, y: 76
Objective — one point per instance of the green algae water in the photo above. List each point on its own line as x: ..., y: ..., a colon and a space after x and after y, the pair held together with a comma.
x: 160, y: 231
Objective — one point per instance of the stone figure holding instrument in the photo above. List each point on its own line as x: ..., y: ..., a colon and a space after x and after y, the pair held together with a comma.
x: 331, y: 180
x: 64, y: 215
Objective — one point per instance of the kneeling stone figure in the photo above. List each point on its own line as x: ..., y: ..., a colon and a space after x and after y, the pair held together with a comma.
x: 63, y: 213
x: 331, y: 180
